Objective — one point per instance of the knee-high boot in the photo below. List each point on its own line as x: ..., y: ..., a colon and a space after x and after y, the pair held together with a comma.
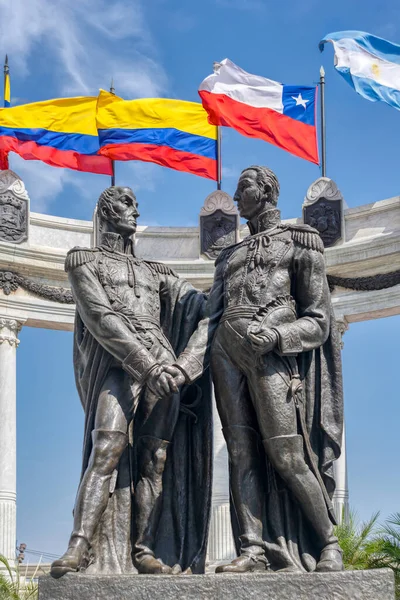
x: 91, y: 500
x: 151, y: 457
x: 286, y: 453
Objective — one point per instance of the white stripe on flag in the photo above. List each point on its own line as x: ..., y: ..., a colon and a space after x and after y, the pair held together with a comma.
x: 364, y: 64
x: 244, y: 87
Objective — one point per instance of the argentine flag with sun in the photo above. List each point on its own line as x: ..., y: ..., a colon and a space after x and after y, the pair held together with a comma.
x: 370, y: 64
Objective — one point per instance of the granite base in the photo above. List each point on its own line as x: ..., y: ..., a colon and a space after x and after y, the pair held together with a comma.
x: 349, y: 585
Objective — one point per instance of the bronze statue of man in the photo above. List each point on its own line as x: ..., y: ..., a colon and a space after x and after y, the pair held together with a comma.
x: 133, y: 317
x: 275, y: 362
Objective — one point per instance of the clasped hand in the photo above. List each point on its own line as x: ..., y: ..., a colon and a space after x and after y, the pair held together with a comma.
x: 263, y: 340
x: 165, y: 380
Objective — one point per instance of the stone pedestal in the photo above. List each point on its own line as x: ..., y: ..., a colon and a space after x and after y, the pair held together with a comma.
x: 9, y: 329
x: 349, y: 585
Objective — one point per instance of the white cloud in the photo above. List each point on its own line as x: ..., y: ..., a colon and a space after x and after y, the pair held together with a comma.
x: 230, y: 172
x: 139, y: 175
x: 87, y: 42
x: 42, y: 182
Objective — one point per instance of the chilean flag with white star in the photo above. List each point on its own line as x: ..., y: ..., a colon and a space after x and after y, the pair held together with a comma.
x: 283, y: 115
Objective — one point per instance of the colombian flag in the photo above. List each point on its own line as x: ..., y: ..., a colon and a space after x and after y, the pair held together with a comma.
x: 171, y: 133
x: 60, y: 132
x: 7, y: 90
x: 7, y: 102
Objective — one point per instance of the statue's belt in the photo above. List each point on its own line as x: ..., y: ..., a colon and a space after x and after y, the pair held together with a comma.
x: 138, y: 318
x: 242, y: 310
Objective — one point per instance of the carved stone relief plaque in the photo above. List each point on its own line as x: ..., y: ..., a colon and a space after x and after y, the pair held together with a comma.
x: 323, y: 210
x: 219, y: 224
x: 14, y: 208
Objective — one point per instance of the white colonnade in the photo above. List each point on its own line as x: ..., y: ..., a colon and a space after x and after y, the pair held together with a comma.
x: 32, y: 267
x: 341, y: 495
x: 9, y: 329
x: 220, y: 542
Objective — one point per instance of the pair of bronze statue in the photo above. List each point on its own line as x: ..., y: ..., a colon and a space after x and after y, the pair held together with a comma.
x: 144, y: 340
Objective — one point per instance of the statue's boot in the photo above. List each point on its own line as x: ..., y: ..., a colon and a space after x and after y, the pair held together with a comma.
x: 150, y: 565
x: 286, y: 454
x: 331, y: 559
x: 151, y: 457
x: 244, y: 564
x: 76, y: 558
x: 246, y: 476
x: 92, y: 499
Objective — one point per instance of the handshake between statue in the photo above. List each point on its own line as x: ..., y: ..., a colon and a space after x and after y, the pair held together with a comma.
x: 268, y: 333
x: 165, y: 380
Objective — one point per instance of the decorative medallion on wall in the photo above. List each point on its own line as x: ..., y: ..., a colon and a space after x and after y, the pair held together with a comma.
x: 14, y: 208
x: 323, y: 210
x: 219, y: 224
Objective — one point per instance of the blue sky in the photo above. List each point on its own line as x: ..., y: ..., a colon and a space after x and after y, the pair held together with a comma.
x: 166, y: 47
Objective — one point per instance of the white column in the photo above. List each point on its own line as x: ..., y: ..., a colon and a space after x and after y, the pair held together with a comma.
x: 220, y: 542
x: 9, y: 329
x: 341, y: 494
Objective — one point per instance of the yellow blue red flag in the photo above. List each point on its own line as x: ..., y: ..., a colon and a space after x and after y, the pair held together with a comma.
x: 7, y: 102
x: 171, y: 133
x: 60, y: 132
x: 7, y: 90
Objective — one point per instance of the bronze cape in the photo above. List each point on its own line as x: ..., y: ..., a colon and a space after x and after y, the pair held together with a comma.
x: 287, y: 534
x: 183, y: 529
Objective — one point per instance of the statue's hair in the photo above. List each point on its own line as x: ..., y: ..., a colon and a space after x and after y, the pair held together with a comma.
x: 266, y: 177
x: 105, y: 201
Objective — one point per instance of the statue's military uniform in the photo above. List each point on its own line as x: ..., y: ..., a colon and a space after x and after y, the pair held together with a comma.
x: 274, y: 279
x: 118, y: 299
x: 277, y: 264
x: 107, y: 278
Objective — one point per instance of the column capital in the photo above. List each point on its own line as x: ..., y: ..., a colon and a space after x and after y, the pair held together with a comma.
x: 9, y: 329
x: 342, y: 326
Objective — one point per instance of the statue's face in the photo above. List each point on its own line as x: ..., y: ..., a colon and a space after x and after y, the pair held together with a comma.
x: 247, y: 195
x: 125, y: 212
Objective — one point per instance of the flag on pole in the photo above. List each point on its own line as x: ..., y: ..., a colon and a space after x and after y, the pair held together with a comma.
x: 7, y: 101
x: 171, y: 133
x: 283, y: 115
x: 60, y: 132
x: 7, y: 89
x: 370, y: 64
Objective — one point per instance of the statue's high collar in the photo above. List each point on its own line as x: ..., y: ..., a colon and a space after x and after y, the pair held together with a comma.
x: 266, y: 220
x: 114, y: 242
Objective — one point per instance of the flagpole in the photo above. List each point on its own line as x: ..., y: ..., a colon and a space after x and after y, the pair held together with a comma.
x: 6, y: 73
x: 112, y: 91
x: 6, y: 101
x: 323, y: 130
x: 219, y: 160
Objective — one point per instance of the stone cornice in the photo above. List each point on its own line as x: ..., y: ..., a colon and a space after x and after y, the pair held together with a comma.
x: 372, y: 208
x: 51, y: 222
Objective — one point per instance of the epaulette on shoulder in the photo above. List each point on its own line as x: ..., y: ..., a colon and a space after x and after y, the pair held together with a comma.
x: 307, y: 236
x: 225, y: 253
x: 78, y: 257
x: 158, y: 267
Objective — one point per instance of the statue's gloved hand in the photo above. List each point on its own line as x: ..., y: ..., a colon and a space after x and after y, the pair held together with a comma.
x: 263, y: 340
x: 161, y: 382
x: 177, y: 374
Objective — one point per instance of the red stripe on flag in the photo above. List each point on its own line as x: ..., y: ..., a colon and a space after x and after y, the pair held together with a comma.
x: 57, y: 158
x: 289, y: 134
x: 164, y: 156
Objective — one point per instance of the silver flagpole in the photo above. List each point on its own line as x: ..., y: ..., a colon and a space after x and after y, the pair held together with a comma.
x: 323, y: 131
x: 112, y: 91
